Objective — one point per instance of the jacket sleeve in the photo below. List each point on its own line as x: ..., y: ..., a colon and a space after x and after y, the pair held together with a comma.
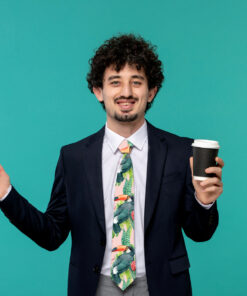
x: 49, y: 229
x: 198, y: 223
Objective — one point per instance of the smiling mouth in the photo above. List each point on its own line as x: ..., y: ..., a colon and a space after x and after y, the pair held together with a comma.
x: 126, y: 105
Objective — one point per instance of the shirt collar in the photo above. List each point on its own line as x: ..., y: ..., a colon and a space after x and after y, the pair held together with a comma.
x: 137, y: 139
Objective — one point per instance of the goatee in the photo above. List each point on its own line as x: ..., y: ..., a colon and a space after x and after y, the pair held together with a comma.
x: 126, y: 117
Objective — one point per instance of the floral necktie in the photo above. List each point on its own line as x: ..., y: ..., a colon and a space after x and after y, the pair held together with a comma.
x: 123, y: 262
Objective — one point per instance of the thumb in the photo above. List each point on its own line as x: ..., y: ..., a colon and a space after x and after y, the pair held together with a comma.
x: 1, y: 169
x: 191, y: 165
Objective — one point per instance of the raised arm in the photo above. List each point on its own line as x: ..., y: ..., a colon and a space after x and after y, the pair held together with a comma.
x: 49, y: 229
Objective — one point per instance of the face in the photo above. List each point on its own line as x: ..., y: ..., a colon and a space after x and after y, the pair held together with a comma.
x: 125, y: 94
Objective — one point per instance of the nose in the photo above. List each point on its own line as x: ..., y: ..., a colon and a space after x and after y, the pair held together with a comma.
x: 126, y: 90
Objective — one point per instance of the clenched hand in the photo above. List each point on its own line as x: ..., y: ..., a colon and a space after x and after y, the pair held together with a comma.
x: 209, y: 190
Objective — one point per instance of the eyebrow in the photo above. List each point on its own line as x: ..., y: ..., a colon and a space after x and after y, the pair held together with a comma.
x: 118, y: 76
x: 113, y: 77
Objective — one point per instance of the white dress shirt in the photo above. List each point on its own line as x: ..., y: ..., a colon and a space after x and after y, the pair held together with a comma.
x: 8, y: 191
x: 111, y: 157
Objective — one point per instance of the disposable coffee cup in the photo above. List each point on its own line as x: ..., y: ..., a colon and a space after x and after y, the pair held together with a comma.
x: 204, y: 154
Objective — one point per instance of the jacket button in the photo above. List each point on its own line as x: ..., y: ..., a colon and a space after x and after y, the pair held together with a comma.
x: 96, y: 269
x: 102, y: 242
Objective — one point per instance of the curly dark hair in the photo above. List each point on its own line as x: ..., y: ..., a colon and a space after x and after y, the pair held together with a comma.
x: 122, y: 49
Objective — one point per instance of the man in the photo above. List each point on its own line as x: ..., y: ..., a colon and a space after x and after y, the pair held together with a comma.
x: 125, y: 192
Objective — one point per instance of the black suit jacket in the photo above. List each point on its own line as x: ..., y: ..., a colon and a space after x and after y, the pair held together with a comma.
x: 77, y: 205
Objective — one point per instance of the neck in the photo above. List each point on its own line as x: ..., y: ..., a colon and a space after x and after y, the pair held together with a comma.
x: 125, y: 129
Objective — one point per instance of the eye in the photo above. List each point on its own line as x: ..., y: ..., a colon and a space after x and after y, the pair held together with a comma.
x: 115, y: 82
x: 137, y: 83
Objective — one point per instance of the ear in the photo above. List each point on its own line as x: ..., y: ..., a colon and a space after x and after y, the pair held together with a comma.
x: 151, y: 93
x: 98, y: 93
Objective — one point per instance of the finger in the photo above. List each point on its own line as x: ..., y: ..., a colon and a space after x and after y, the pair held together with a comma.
x: 1, y: 169
x: 191, y: 164
x: 220, y: 161
x: 214, y: 170
x: 211, y: 181
x: 213, y: 189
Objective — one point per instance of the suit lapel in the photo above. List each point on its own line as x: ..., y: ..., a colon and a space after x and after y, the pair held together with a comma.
x: 157, y: 152
x: 93, y: 164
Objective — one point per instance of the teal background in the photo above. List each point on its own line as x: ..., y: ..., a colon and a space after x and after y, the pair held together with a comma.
x: 45, y: 103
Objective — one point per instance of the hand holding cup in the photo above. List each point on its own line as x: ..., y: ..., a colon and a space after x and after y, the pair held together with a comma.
x: 207, y: 180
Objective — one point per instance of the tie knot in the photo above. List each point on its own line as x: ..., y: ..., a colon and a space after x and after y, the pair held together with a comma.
x: 125, y: 147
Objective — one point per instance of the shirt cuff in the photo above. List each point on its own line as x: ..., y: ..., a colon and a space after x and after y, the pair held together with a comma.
x: 9, y: 189
x: 207, y: 207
